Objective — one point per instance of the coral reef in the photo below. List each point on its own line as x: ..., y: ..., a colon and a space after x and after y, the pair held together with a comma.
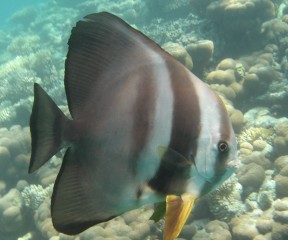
x: 267, y: 193
x: 202, y: 53
x: 281, y: 139
x: 251, y: 177
x: 15, y: 153
x: 280, y: 225
x: 34, y: 195
x: 166, y: 8
x: 254, y: 134
x: 24, y: 45
x: 240, y: 8
x: 213, y: 230
x: 130, y: 10
x: 237, y: 120
x: 257, y: 139
x: 238, y: 18
x: 11, y: 216
x: 250, y: 80
x: 244, y: 227
x: 19, y: 75
x: 184, y: 31
x: 281, y: 180
x: 225, y: 202
x: 180, y: 53
x: 258, y: 158
x: 239, y: 48
x: 274, y: 30
x: 131, y: 225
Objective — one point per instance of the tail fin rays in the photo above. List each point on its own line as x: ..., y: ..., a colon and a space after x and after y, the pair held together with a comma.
x: 46, y: 127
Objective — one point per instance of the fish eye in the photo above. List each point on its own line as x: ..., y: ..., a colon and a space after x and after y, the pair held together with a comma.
x: 223, y: 146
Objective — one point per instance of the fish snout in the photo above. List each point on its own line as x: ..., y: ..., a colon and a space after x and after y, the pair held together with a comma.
x: 233, y: 163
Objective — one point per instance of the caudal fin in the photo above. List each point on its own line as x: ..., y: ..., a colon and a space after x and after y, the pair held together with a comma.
x: 46, y: 127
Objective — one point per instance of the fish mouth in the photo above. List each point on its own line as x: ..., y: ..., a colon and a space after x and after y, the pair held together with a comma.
x: 233, y: 163
x: 221, y: 175
x: 201, y: 175
x: 224, y: 175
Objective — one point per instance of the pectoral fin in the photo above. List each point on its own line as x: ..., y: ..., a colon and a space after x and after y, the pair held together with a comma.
x: 159, y: 212
x: 173, y: 158
x: 178, y: 209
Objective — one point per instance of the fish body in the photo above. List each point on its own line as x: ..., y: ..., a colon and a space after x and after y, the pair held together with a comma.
x: 143, y: 127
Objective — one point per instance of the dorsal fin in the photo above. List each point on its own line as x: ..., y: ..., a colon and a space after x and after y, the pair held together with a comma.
x: 100, y: 47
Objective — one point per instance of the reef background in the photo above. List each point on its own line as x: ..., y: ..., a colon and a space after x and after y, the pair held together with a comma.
x: 238, y: 47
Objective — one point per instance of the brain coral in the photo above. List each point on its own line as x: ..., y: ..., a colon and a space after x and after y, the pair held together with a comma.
x: 241, y: 9
x: 180, y: 53
x: 250, y: 176
x: 274, y: 30
x: 239, y: 18
x: 168, y: 6
x: 14, y: 154
x: 11, y: 217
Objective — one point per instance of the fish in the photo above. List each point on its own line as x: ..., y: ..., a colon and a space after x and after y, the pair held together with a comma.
x: 143, y: 129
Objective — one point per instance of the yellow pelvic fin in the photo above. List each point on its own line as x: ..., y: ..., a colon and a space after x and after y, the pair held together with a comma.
x: 178, y: 209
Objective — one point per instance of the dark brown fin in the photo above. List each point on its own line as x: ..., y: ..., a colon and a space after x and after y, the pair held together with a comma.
x: 172, y: 174
x: 46, y: 123
x: 101, y: 47
x: 75, y: 206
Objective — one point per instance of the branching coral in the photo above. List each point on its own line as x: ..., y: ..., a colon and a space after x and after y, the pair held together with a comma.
x: 34, y: 195
x: 162, y: 31
x: 225, y: 202
x: 256, y: 133
x: 18, y: 75
x: 172, y: 5
x: 7, y: 113
x: 24, y: 44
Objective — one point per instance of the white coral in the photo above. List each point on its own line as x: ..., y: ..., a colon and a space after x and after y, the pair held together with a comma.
x: 33, y: 195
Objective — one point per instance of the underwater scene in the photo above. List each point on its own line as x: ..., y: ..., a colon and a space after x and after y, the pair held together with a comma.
x: 238, y: 48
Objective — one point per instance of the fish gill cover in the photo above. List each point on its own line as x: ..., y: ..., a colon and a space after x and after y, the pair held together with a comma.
x: 239, y: 48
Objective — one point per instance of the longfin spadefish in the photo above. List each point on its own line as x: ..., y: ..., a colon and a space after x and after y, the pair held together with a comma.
x: 96, y: 181
x: 178, y: 209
